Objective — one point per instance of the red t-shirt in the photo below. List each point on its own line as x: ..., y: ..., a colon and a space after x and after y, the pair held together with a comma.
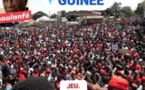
x: 57, y: 84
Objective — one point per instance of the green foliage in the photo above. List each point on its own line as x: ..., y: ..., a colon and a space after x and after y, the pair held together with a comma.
x: 127, y: 11
x: 68, y: 17
x: 139, y: 10
x: 121, y: 15
x: 108, y: 12
x: 38, y: 14
x: 53, y: 16
x: 71, y: 17
x: 118, y: 11
x: 63, y: 13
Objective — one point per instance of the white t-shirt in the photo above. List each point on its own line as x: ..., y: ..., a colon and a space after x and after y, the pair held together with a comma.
x: 140, y: 87
x: 1, y: 82
x: 50, y: 78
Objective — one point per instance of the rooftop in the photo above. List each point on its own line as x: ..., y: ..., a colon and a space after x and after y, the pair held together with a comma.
x: 84, y: 13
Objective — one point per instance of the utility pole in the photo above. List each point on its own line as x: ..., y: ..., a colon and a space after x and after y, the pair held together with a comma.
x: 59, y: 18
x: 49, y: 13
x: 116, y: 12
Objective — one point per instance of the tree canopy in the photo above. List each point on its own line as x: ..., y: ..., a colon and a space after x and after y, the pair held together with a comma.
x: 69, y: 17
x: 126, y: 10
x: 118, y: 11
x: 139, y: 9
x: 38, y: 14
x: 53, y: 16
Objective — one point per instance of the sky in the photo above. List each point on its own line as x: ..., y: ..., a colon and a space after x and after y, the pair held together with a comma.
x: 43, y: 5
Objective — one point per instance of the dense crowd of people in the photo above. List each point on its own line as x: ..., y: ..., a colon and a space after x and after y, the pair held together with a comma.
x: 93, y: 53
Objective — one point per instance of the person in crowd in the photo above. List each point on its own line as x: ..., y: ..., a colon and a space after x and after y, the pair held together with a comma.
x: 116, y: 83
x: 34, y: 84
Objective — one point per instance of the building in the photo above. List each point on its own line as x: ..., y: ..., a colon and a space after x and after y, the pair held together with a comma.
x: 86, y: 16
x: 92, y: 19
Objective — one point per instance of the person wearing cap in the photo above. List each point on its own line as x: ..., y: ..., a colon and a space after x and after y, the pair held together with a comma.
x: 118, y: 82
x: 49, y: 75
x: 21, y: 75
x: 115, y: 83
x: 78, y: 76
x: 135, y: 66
x: 143, y: 83
x: 139, y: 84
x: 134, y: 86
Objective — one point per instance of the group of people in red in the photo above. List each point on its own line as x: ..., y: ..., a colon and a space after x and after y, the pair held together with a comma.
x: 106, y: 55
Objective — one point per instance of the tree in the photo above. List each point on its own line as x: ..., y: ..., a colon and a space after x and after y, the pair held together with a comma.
x: 53, y: 16
x: 108, y: 12
x: 71, y: 17
x: 113, y: 10
x: 63, y: 13
x: 38, y: 15
x: 121, y: 15
x: 139, y: 9
x: 127, y: 11
x: 118, y: 11
x: 116, y: 7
